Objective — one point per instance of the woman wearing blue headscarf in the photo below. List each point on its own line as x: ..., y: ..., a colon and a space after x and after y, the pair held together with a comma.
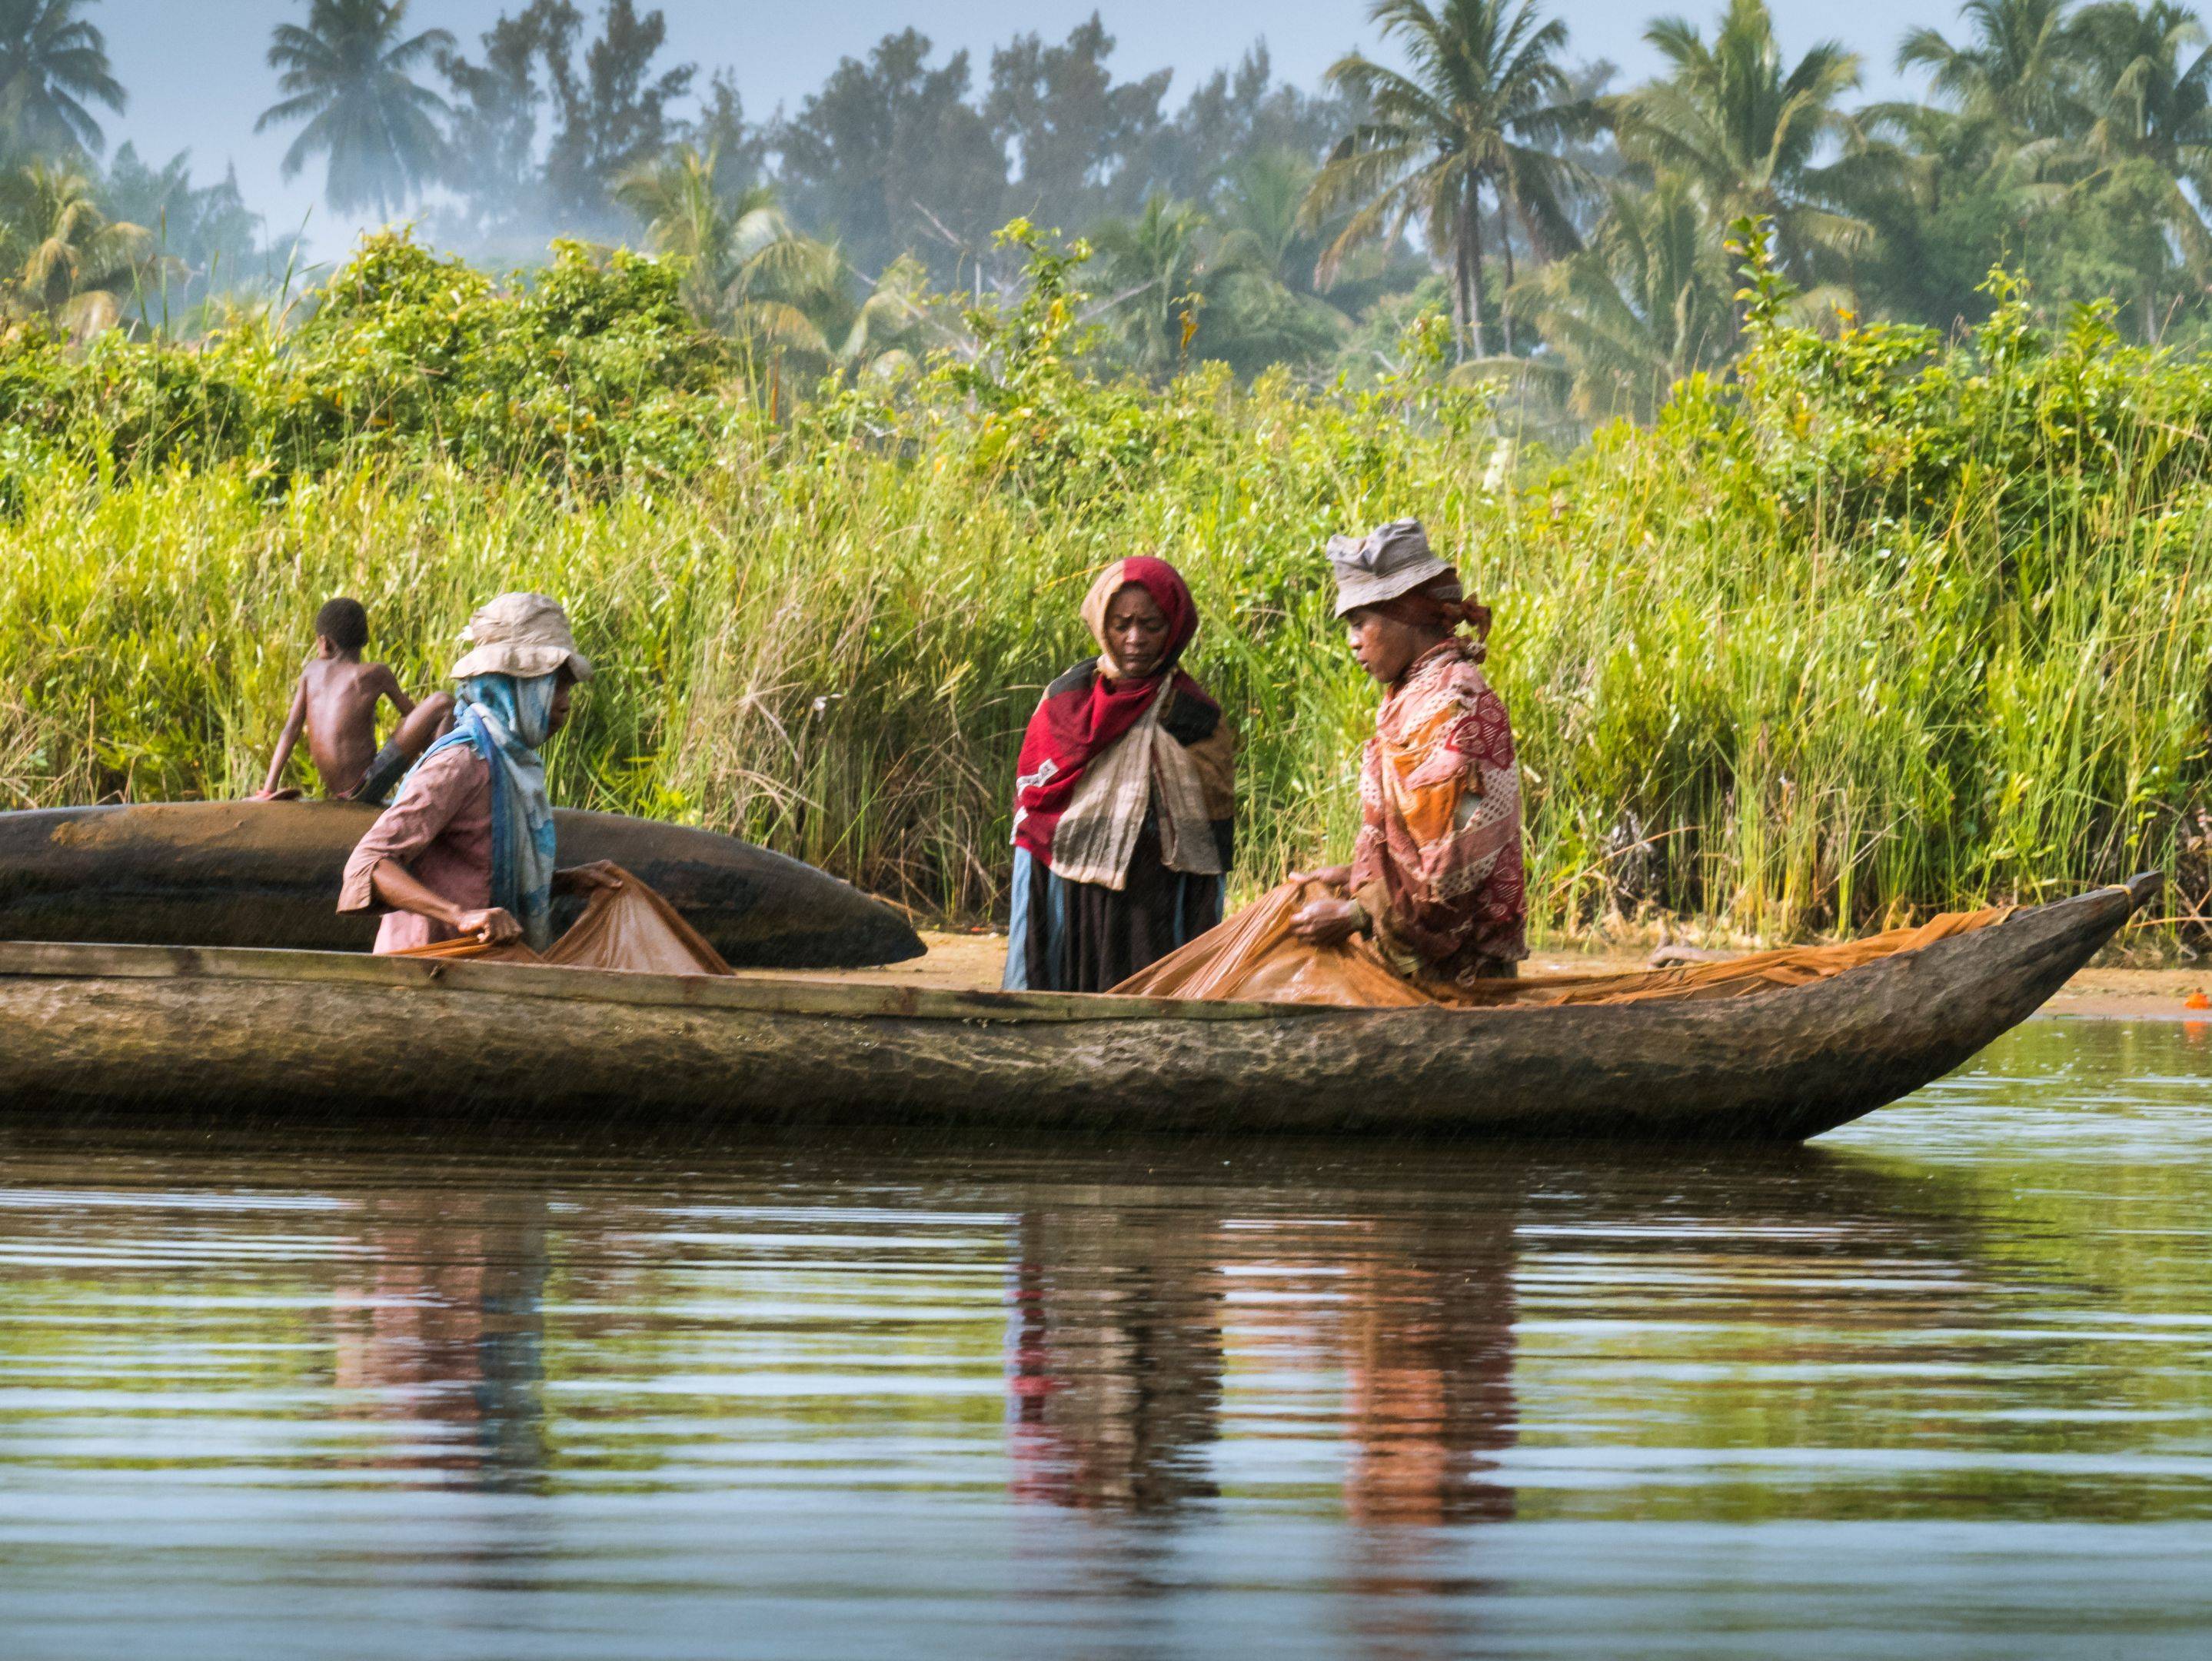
x: 467, y: 850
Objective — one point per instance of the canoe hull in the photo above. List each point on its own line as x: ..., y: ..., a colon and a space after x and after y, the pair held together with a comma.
x: 266, y: 874
x: 142, y: 1027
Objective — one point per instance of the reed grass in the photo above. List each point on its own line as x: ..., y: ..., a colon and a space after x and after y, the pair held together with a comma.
x: 1846, y: 644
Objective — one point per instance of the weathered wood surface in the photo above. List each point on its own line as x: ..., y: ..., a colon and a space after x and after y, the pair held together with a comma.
x: 266, y: 874
x: 198, y: 1029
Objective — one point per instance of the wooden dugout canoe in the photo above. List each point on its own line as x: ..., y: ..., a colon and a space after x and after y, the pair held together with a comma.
x: 311, y: 1032
x: 266, y: 874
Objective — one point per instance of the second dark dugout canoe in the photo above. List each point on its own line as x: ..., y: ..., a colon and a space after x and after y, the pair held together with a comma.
x: 314, y: 1033
x: 266, y: 874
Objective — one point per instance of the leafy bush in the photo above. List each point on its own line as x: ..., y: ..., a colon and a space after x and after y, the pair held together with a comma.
x: 588, y: 374
x: 1881, y: 623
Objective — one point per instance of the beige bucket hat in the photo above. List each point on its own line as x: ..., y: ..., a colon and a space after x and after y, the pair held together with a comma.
x: 1391, y: 560
x: 520, y: 633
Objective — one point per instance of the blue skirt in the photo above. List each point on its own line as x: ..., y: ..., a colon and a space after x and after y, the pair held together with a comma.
x: 1083, y: 937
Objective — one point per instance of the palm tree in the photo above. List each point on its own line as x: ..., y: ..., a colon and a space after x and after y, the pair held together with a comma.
x: 748, y: 274
x: 1164, y: 266
x: 2143, y: 102
x: 348, y: 76
x: 62, y: 258
x: 52, y: 62
x: 1645, y: 304
x: 1261, y: 216
x: 1482, y: 113
x: 888, y: 328
x: 2014, y: 69
x: 1750, y: 132
x: 2004, y: 122
x: 730, y: 245
x: 2149, y: 110
x: 1946, y: 195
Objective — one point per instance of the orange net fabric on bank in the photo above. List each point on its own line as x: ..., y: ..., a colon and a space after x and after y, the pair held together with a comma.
x: 628, y: 928
x: 1255, y: 956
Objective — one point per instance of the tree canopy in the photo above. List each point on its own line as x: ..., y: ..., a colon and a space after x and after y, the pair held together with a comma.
x: 1464, y: 164
x: 348, y: 73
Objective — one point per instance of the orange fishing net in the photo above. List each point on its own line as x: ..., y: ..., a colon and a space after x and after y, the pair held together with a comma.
x: 1254, y: 955
x: 628, y: 927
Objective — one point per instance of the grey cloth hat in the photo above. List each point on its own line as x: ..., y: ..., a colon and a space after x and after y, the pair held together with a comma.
x: 1391, y: 560
x: 520, y: 633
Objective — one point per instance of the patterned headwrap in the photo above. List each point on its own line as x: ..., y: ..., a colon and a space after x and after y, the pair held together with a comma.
x: 1442, y: 603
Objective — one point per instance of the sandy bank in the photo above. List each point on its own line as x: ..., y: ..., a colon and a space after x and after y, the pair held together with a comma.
x: 968, y: 962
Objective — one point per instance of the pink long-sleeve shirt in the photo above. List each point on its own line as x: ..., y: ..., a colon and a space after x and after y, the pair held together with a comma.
x: 440, y: 830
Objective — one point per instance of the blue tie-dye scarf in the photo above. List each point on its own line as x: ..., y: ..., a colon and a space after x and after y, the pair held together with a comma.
x: 505, y: 718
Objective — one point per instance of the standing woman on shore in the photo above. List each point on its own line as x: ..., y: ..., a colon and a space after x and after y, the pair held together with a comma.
x: 1124, y: 807
x: 1436, y: 878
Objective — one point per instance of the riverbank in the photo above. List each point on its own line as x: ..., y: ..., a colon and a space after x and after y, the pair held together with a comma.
x: 1876, y: 625
x: 965, y: 961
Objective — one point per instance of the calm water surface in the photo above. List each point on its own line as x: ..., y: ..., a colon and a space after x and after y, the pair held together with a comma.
x: 1939, y: 1385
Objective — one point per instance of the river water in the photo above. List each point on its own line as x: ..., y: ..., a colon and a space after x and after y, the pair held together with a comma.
x: 1939, y: 1385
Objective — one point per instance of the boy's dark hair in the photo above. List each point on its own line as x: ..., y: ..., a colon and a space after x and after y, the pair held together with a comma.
x: 344, y: 622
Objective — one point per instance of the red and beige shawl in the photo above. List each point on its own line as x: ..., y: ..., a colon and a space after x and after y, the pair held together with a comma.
x: 1089, y: 710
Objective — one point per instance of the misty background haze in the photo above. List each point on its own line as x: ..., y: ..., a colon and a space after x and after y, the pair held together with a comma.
x: 198, y: 74
x: 836, y: 372
x: 1566, y: 196
x: 197, y: 77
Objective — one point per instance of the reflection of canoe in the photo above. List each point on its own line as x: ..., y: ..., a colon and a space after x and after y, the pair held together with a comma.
x: 266, y: 874
x: 152, y: 1025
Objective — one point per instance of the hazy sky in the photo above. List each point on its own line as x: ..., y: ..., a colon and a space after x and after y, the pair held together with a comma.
x: 197, y: 79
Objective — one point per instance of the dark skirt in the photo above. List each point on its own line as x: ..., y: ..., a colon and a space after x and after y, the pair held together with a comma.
x: 1081, y: 937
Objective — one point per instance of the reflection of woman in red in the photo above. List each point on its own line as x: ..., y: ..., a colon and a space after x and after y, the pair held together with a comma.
x: 1116, y: 1374
x: 1116, y: 1354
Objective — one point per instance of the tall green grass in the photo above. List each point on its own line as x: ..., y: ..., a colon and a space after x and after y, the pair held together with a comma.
x: 1894, y: 626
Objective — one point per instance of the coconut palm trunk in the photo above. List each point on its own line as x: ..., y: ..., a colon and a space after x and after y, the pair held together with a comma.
x: 1505, y: 252
x: 1470, y: 266
x: 1487, y: 103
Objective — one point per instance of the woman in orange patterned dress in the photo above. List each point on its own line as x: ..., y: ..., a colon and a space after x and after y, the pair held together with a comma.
x: 1436, y: 878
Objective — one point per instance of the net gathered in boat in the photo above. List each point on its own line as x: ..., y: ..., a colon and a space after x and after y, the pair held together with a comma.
x: 630, y: 927
x: 1255, y: 956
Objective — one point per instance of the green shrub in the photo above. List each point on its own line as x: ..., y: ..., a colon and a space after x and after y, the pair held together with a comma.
x: 1883, y: 623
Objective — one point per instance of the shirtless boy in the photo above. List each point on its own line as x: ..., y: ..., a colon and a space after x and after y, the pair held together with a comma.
x: 336, y: 702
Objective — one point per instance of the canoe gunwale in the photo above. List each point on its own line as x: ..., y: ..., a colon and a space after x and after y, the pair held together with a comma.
x: 793, y: 993
x: 756, y: 991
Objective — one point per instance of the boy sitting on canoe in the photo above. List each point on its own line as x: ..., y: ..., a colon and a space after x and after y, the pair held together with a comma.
x: 335, y: 701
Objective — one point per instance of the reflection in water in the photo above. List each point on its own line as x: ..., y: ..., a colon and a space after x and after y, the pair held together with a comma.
x: 447, y: 1330
x: 1116, y: 1374
x: 1428, y: 1312
x: 1116, y: 1354
x: 319, y: 1394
